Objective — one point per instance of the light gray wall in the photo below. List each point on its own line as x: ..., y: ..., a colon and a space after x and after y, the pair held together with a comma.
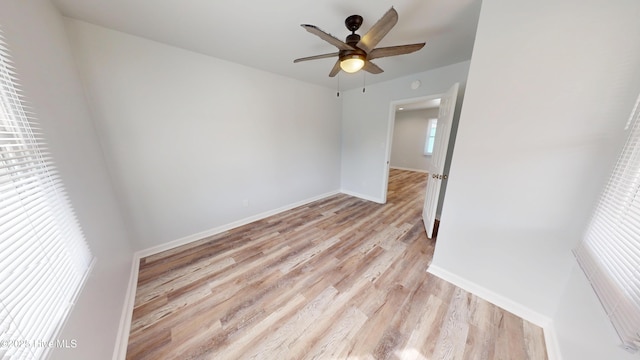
x: 189, y: 138
x: 365, y: 125
x: 409, y: 135
x: 36, y: 37
x: 551, y: 85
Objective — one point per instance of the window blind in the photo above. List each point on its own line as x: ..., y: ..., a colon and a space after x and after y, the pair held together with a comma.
x: 609, y: 253
x: 44, y: 258
x: 430, y: 141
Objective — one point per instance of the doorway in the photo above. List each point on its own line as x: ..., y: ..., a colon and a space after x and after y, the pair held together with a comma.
x: 438, y: 152
x: 411, y: 156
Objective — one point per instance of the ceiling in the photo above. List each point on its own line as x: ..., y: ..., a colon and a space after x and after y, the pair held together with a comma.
x: 266, y: 34
x: 419, y: 105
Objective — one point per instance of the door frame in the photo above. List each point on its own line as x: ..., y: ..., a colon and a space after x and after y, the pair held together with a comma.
x: 390, y: 127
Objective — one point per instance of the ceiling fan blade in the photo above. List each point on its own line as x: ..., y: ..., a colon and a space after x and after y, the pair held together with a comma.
x: 336, y: 69
x: 372, y: 68
x: 378, y: 30
x: 394, y: 50
x: 327, y: 37
x: 323, y: 56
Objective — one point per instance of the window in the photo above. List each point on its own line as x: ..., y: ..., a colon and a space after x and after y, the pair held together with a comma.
x: 43, y: 255
x: 431, y: 136
x: 610, y: 251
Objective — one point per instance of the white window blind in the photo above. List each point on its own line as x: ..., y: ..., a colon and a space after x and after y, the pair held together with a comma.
x: 44, y: 258
x: 431, y: 136
x: 610, y: 251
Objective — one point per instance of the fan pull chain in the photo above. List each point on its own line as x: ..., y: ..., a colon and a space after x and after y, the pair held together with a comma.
x: 364, y: 81
x: 338, y: 90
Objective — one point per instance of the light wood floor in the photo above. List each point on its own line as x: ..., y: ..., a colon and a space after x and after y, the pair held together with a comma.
x: 340, y: 278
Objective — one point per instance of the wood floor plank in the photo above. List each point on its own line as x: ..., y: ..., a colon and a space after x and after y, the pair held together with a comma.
x: 242, y: 343
x: 454, y: 332
x: 510, y: 340
x: 332, y: 345
x: 534, y: 341
x: 423, y: 336
x: 339, y: 278
x: 277, y: 343
x: 478, y: 345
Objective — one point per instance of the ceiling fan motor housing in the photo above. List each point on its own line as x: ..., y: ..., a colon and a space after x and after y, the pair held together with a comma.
x: 353, y: 22
x: 353, y: 39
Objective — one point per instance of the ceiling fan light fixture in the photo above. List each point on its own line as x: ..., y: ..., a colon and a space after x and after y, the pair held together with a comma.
x: 354, y: 53
x: 352, y: 63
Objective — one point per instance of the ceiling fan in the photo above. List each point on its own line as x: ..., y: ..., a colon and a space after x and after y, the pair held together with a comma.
x: 357, y: 52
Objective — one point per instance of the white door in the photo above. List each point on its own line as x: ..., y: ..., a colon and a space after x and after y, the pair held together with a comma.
x: 436, y: 168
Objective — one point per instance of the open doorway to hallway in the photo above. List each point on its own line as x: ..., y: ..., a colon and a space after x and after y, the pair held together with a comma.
x: 414, y: 135
x: 418, y: 141
x: 409, y: 122
x: 412, y: 129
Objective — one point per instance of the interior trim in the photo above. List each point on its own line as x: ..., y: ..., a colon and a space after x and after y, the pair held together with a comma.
x: 543, y: 321
x: 122, y: 339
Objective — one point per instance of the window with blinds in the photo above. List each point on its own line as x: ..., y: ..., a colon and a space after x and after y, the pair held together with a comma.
x: 610, y: 251
x: 430, y: 141
x: 44, y: 258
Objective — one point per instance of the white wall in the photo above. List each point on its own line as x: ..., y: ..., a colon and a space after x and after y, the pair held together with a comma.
x: 35, y: 34
x: 409, y: 136
x: 550, y: 87
x: 189, y: 137
x: 365, y: 125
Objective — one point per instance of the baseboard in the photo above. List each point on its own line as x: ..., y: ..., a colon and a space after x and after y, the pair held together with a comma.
x: 518, y: 309
x: 122, y: 340
x: 551, y: 340
x: 499, y: 300
x: 492, y: 297
x: 220, y: 229
x: 408, y: 169
x: 362, y: 196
